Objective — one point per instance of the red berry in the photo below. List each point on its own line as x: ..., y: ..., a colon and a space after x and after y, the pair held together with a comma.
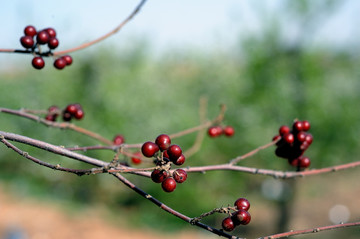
x: 53, y: 43
x: 42, y: 37
x: 180, y: 175
x: 79, y: 114
x: 71, y: 108
x: 304, y: 162
x: 309, y: 138
x: 59, y: 63
x: 301, y: 136
x: 50, y: 117
x: 298, y: 126
x: 168, y: 185
x: 215, y: 131
x: 30, y: 31
x: 241, y: 217
x: 51, y: 32
x: 229, y: 131
x: 288, y: 138
x: 67, y: 116
x: 276, y: 138
x: 180, y: 160
x: 149, y: 149
x: 284, y: 130
x: 158, y: 176
x: 306, y: 125
x: 38, y: 63
x: 118, y: 139
x: 304, y: 145
x: 228, y: 224
x: 163, y: 141
x: 137, y: 158
x: 27, y: 41
x: 174, y: 152
x: 242, y: 203
x: 68, y: 59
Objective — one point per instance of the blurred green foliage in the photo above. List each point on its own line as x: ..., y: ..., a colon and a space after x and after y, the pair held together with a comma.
x: 263, y: 81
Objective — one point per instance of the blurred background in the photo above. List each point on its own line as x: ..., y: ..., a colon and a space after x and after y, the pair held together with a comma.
x: 270, y: 62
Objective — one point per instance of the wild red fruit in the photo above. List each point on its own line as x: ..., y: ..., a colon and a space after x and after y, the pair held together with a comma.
x: 136, y: 159
x: 288, y: 138
x: 79, y: 114
x: 298, y: 126
x: 229, y: 131
x: 215, y: 131
x: 27, y: 41
x: 163, y: 141
x: 174, y: 152
x: 158, y: 176
x: 241, y: 217
x: 38, y: 62
x: 306, y: 125
x: 284, y: 130
x: 149, y: 149
x: 242, y: 203
x: 179, y: 161
x: 168, y: 185
x: 180, y: 175
x: 59, y: 63
x: 228, y: 224
x: 30, y: 31
x: 51, y: 32
x: 118, y: 139
x: 42, y: 37
x: 68, y: 59
x: 53, y: 43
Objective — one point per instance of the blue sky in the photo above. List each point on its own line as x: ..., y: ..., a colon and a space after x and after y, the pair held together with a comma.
x: 178, y: 23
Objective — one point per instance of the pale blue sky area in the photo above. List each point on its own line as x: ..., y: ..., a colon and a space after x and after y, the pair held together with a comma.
x: 179, y: 23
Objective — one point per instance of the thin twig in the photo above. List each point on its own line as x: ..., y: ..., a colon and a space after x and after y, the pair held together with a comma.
x: 312, y: 230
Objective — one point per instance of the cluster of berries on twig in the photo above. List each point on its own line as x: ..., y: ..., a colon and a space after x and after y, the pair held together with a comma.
x: 71, y: 111
x: 292, y: 143
x: 217, y: 130
x: 165, y: 155
x: 47, y: 37
x: 240, y: 217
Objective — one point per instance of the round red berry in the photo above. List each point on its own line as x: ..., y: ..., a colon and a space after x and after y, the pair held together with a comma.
x: 119, y: 139
x: 306, y: 125
x: 158, y: 176
x: 180, y: 160
x: 79, y: 114
x: 301, y: 136
x: 229, y: 131
x: 38, y: 62
x: 67, y: 116
x: 180, y: 175
x: 59, y: 63
x: 228, y: 224
x: 51, y: 32
x: 53, y: 42
x: 304, y: 162
x: 136, y: 159
x: 68, y: 59
x: 298, y: 126
x: 241, y: 217
x: 27, y: 41
x: 71, y: 108
x: 288, y: 138
x: 309, y: 138
x: 215, y: 131
x: 149, y: 149
x: 242, y: 203
x: 30, y: 31
x: 42, y: 37
x: 174, y: 152
x: 163, y: 141
x: 284, y: 130
x: 168, y: 185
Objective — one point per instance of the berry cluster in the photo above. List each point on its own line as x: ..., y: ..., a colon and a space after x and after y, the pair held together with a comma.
x: 292, y: 143
x: 70, y: 111
x: 43, y: 37
x: 240, y: 217
x: 215, y: 131
x: 165, y: 153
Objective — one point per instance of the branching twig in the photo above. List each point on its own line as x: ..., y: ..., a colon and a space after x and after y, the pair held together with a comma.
x: 85, y: 45
x: 312, y: 230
